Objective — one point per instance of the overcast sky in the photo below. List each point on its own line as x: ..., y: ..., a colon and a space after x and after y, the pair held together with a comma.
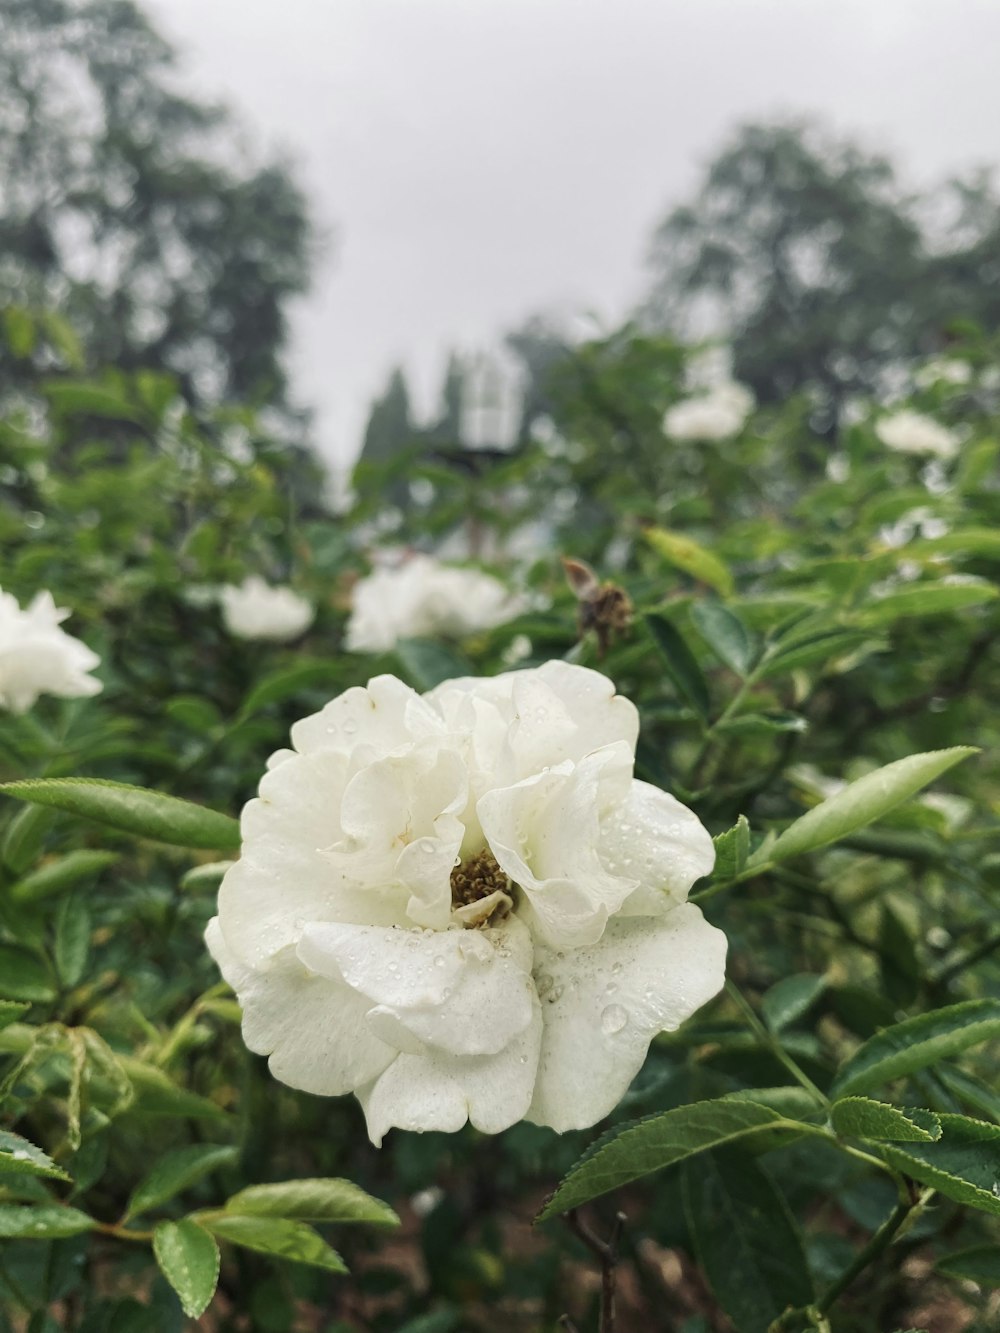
x: 474, y: 161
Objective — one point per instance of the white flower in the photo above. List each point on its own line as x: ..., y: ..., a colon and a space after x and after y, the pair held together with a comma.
x: 255, y: 610
x: 462, y: 905
x: 37, y: 657
x: 425, y: 598
x: 714, y: 415
x: 913, y: 433
x: 945, y: 369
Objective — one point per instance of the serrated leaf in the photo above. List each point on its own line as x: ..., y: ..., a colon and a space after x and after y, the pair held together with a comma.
x: 745, y: 1239
x: 692, y: 558
x: 314, y: 1200
x: 864, y: 801
x: 732, y: 849
x: 726, y: 635
x: 188, y: 1258
x: 681, y: 666
x: 979, y: 1263
x: 964, y: 1164
x: 18, y: 1155
x: 916, y: 1043
x: 42, y: 1221
x: 862, y: 1118
x: 135, y: 810
x: 276, y: 1236
x: 790, y: 998
x: 633, y: 1151
x: 60, y: 873
x: 824, y: 646
x: 176, y: 1172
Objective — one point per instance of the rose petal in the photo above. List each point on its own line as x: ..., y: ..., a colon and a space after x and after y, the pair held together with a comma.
x: 312, y: 1028
x: 603, y: 1004
x: 440, y: 1091
x: 465, y: 992
x: 652, y: 837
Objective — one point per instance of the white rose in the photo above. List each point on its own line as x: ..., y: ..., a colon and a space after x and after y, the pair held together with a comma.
x: 425, y: 598
x: 913, y: 433
x: 255, y: 610
x: 715, y: 415
x: 943, y: 369
x: 463, y: 906
x: 37, y: 657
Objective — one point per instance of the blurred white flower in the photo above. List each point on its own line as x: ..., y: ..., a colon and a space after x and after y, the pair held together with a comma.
x: 37, y: 657
x: 714, y: 415
x: 462, y: 905
x: 914, y: 433
x: 425, y: 598
x: 943, y: 369
x: 255, y: 610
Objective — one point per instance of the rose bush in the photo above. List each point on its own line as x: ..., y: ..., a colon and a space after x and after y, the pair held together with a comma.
x: 38, y: 657
x: 463, y: 905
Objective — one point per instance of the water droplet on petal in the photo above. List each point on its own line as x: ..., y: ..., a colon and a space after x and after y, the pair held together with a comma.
x: 613, y: 1019
x: 439, y: 960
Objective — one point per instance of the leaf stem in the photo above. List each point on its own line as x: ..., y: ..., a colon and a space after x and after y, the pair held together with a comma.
x: 774, y: 1045
x: 879, y: 1243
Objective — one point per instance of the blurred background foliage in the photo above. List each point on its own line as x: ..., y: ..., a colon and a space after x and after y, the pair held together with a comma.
x: 807, y: 605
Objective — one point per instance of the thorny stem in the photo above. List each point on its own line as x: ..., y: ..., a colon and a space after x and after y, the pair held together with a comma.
x: 606, y: 1252
x: 775, y: 1046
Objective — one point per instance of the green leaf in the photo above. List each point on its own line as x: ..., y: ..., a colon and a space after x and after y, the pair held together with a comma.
x: 745, y: 1239
x: 763, y: 724
x: 681, y: 666
x: 633, y: 1151
x: 149, y: 814
x: 188, y: 1258
x: 11, y: 1011
x: 964, y: 1164
x: 157, y: 1094
x: 72, y: 397
x: 427, y: 663
x: 979, y: 1263
x: 316, y: 1200
x: 732, y: 849
x: 823, y: 646
x: 42, y: 1221
x: 864, y: 801
x: 18, y: 1155
x: 175, y: 1172
x: 966, y: 541
x: 861, y: 1118
x: 791, y: 997
x: 926, y: 599
x: 276, y: 1236
x: 20, y: 330
x: 62, y: 872
x: 685, y: 554
x: 726, y: 635
x: 24, y: 837
x: 288, y: 682
x: 24, y: 977
x: 916, y: 1043
x: 72, y: 945
x: 194, y: 713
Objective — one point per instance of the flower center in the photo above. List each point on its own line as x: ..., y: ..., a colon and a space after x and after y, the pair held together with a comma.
x: 480, y: 890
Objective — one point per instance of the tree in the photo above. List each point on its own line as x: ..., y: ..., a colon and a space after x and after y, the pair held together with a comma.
x: 124, y: 207
x: 808, y: 252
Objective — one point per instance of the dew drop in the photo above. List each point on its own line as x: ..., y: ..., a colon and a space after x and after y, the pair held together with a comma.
x: 616, y: 968
x: 350, y: 726
x: 610, y: 988
x: 543, y: 984
x: 555, y: 994
x: 439, y: 960
x: 613, y: 1019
